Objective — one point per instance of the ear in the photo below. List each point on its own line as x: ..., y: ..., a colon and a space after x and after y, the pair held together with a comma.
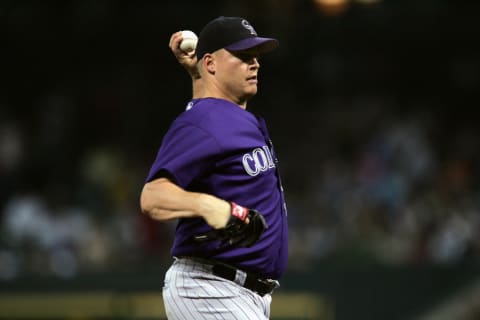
x: 209, y: 63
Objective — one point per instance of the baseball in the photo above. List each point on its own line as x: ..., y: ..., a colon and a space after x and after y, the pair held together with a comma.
x: 189, y: 42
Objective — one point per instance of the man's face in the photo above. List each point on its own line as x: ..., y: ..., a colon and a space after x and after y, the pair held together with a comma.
x: 237, y: 72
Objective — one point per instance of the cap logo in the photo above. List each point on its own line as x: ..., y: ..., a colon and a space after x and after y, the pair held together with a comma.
x: 249, y: 27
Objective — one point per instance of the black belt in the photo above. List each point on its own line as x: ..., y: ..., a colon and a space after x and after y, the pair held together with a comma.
x: 250, y: 281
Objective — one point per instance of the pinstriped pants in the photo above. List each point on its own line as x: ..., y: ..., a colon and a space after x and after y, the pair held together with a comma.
x: 192, y: 292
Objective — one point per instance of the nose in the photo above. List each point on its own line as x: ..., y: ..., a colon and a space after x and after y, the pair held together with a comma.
x: 255, y: 63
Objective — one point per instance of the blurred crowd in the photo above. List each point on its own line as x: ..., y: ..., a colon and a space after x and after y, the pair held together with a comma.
x: 374, y: 169
x: 374, y: 189
x: 387, y: 193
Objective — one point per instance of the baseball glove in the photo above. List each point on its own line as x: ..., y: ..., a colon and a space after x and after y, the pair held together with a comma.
x: 238, y: 232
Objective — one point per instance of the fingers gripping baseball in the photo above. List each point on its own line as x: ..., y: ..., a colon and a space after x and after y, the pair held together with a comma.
x: 187, y: 59
x: 244, y: 228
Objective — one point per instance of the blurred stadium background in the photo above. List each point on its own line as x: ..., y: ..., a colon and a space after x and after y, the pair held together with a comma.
x: 371, y: 104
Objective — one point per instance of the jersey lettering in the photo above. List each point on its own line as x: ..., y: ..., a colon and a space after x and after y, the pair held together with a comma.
x: 259, y: 160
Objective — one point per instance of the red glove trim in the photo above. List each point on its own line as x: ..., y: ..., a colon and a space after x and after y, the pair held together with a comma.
x: 239, y: 211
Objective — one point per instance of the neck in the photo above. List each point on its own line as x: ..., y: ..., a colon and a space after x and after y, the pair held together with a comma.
x: 219, y: 94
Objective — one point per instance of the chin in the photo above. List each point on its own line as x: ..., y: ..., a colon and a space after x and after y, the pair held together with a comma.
x: 251, y: 92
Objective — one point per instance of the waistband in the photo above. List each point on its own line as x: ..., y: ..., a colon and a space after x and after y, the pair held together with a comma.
x: 247, y: 280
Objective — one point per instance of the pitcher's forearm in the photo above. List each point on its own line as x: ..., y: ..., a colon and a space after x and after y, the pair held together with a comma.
x: 163, y: 200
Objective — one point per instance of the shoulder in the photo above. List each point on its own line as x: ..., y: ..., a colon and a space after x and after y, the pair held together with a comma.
x: 210, y: 113
x: 221, y: 121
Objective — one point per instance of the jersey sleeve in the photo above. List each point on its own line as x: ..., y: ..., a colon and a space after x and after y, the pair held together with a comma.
x: 186, y: 152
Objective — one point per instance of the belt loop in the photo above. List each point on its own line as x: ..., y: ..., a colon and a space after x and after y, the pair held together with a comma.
x: 240, y: 277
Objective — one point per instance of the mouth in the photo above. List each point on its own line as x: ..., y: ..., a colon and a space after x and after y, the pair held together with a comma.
x: 252, y: 79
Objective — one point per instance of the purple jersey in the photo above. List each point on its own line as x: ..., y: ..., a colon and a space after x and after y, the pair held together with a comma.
x: 218, y: 148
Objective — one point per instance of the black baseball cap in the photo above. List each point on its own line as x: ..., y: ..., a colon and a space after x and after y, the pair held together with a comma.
x: 231, y: 33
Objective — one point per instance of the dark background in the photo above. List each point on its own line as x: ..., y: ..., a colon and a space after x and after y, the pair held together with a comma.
x: 372, y: 107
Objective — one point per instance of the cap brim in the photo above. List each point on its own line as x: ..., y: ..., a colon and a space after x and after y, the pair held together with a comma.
x: 263, y: 44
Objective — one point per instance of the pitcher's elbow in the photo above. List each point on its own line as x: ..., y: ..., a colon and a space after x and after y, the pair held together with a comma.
x: 145, y: 201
